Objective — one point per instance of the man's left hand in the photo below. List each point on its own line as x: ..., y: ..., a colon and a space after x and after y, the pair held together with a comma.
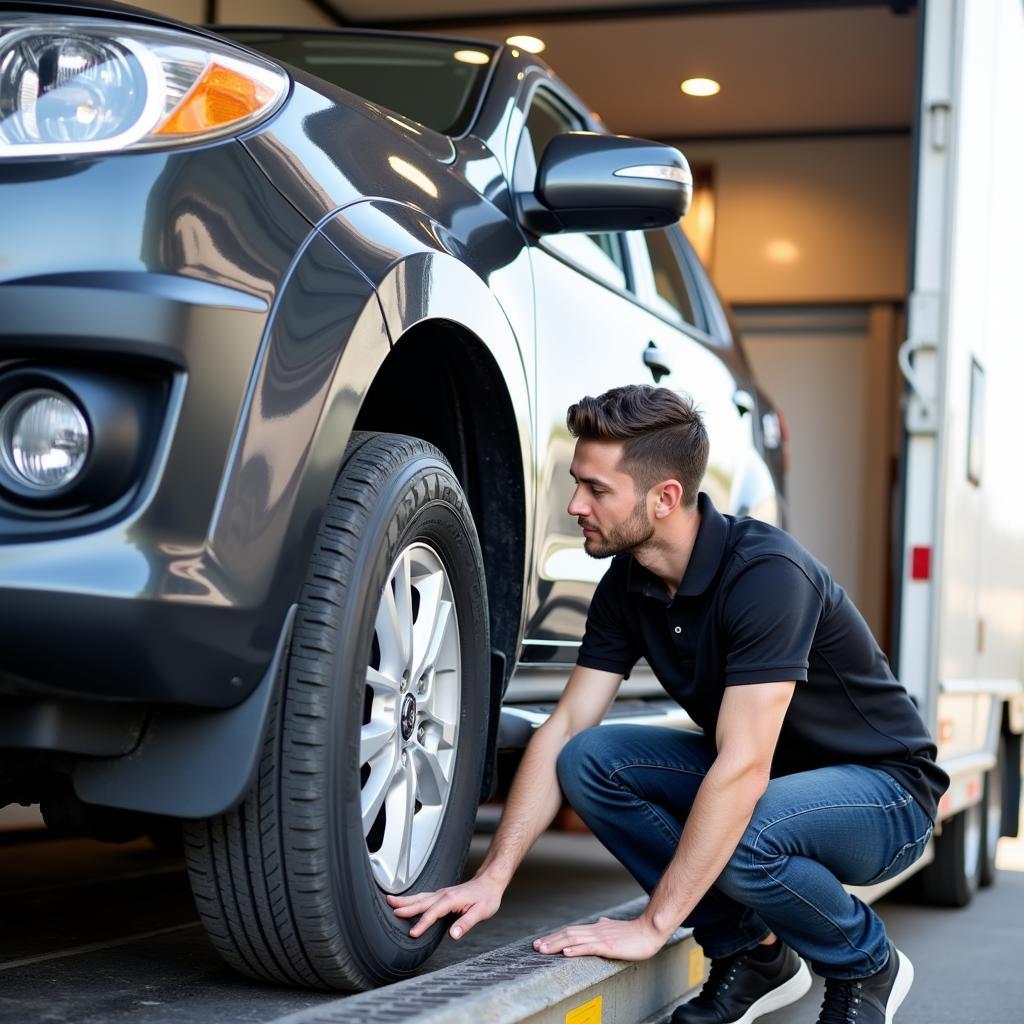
x: 616, y: 940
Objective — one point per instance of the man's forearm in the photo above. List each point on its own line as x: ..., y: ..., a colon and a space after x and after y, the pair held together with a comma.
x: 531, y: 805
x: 721, y: 811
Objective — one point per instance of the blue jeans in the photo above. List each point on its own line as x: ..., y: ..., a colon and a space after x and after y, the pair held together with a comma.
x: 634, y: 786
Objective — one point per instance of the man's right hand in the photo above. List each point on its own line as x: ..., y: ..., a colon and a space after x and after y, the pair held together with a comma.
x: 476, y: 900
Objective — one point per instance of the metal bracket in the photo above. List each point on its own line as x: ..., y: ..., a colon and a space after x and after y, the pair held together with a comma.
x: 921, y: 411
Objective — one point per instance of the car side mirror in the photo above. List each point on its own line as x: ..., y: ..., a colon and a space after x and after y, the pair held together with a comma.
x: 596, y: 183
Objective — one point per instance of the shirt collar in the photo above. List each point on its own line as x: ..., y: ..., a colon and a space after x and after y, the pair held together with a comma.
x: 706, y: 557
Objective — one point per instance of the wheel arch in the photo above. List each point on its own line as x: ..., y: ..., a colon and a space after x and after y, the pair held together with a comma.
x: 441, y: 366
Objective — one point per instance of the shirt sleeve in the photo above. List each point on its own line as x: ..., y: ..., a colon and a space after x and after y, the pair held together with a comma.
x: 608, y: 643
x: 771, y: 615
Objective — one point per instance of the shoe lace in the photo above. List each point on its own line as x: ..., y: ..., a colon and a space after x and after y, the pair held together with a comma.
x: 841, y: 1002
x: 720, y: 977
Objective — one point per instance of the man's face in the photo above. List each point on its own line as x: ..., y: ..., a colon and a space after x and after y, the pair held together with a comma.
x: 605, y: 502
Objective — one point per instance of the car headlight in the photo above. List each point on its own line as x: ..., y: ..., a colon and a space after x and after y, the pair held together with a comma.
x: 44, y: 439
x: 71, y: 86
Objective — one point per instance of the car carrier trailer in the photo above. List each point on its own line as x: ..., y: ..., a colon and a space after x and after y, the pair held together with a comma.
x: 960, y: 596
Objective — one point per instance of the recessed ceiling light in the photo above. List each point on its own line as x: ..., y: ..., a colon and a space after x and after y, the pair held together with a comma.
x: 531, y: 44
x: 472, y: 56
x: 700, y: 87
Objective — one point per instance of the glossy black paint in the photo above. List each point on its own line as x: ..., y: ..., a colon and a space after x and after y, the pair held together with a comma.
x: 580, y: 186
x: 337, y: 267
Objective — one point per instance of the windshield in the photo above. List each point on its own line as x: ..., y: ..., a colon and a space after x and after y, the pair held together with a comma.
x: 434, y: 81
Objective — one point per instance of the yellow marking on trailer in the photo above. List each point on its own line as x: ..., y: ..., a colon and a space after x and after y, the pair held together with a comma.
x: 588, y: 1013
x: 696, y: 965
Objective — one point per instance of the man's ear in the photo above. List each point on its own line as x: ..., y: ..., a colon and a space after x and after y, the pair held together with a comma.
x: 668, y: 497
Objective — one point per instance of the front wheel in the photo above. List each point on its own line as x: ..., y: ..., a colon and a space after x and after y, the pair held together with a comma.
x: 371, y: 768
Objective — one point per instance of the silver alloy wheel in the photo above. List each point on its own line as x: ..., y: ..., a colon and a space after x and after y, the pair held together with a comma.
x: 408, y: 740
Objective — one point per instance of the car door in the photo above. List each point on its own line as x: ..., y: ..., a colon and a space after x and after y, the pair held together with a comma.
x: 591, y: 334
x: 685, y: 353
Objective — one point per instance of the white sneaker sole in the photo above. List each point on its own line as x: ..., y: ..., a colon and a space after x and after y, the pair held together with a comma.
x: 900, y: 987
x: 787, y: 993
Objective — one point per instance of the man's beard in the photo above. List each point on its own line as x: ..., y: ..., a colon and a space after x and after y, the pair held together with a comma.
x: 628, y: 535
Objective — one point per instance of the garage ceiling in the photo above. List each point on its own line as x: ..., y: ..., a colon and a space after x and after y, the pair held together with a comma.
x: 813, y: 68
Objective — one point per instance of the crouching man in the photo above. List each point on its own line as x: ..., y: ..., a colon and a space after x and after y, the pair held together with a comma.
x: 813, y: 769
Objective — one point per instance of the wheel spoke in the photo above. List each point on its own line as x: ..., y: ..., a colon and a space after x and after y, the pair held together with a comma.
x: 374, y: 737
x: 400, y: 806
x: 380, y: 682
x: 445, y: 726
x: 375, y: 791
x: 403, y: 606
x: 431, y: 780
x: 389, y: 636
x: 431, y: 620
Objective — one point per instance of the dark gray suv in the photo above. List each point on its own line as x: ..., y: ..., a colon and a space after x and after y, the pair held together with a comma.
x: 289, y: 323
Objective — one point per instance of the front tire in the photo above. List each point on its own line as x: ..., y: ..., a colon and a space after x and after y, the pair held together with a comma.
x: 372, y: 764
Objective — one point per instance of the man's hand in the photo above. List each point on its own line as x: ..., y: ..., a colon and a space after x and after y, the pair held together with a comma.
x: 476, y: 900
x: 615, y: 940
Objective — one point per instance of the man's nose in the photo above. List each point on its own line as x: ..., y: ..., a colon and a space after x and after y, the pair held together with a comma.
x: 577, y: 507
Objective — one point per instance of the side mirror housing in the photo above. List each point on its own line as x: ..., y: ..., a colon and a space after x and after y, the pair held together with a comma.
x: 595, y: 183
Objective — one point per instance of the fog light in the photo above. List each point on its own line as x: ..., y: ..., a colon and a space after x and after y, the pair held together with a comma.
x: 44, y: 439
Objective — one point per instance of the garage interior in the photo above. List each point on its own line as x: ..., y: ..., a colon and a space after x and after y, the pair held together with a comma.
x: 804, y: 183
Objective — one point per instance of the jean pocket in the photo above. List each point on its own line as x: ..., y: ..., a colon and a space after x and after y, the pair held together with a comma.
x: 905, y: 856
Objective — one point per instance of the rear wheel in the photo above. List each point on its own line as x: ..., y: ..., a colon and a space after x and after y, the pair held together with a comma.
x: 993, y: 802
x: 372, y: 766
x: 952, y: 878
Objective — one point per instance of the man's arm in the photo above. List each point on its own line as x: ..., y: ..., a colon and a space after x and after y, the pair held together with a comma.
x: 749, y: 723
x: 532, y: 804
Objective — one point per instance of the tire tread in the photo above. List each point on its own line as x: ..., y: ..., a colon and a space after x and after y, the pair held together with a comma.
x: 260, y: 873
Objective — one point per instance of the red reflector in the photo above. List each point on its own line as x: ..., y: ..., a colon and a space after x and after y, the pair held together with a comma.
x: 920, y: 563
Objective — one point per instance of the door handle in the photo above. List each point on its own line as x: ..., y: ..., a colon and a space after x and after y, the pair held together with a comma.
x: 655, y: 362
x: 743, y: 401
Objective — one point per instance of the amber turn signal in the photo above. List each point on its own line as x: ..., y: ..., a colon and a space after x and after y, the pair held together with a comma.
x: 220, y: 97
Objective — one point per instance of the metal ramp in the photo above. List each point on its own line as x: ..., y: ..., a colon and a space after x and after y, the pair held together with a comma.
x: 514, y: 984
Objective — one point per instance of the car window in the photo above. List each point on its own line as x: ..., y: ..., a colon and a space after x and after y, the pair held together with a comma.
x: 672, y: 298
x: 603, y: 255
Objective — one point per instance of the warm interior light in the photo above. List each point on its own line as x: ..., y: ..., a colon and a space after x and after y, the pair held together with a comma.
x: 531, y: 44
x: 472, y: 56
x: 782, y: 250
x: 220, y: 97
x: 700, y: 87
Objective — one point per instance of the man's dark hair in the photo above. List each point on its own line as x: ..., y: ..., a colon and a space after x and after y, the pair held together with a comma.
x: 663, y: 433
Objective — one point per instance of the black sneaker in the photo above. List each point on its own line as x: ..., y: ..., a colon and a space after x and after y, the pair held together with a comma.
x: 873, y: 1000
x: 740, y: 989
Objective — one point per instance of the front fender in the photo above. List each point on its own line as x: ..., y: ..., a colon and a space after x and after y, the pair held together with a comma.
x: 422, y: 273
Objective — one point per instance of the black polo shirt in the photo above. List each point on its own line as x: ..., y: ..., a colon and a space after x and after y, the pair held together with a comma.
x: 754, y: 606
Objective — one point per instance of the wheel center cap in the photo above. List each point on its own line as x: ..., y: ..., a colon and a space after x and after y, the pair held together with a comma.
x: 408, y: 715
